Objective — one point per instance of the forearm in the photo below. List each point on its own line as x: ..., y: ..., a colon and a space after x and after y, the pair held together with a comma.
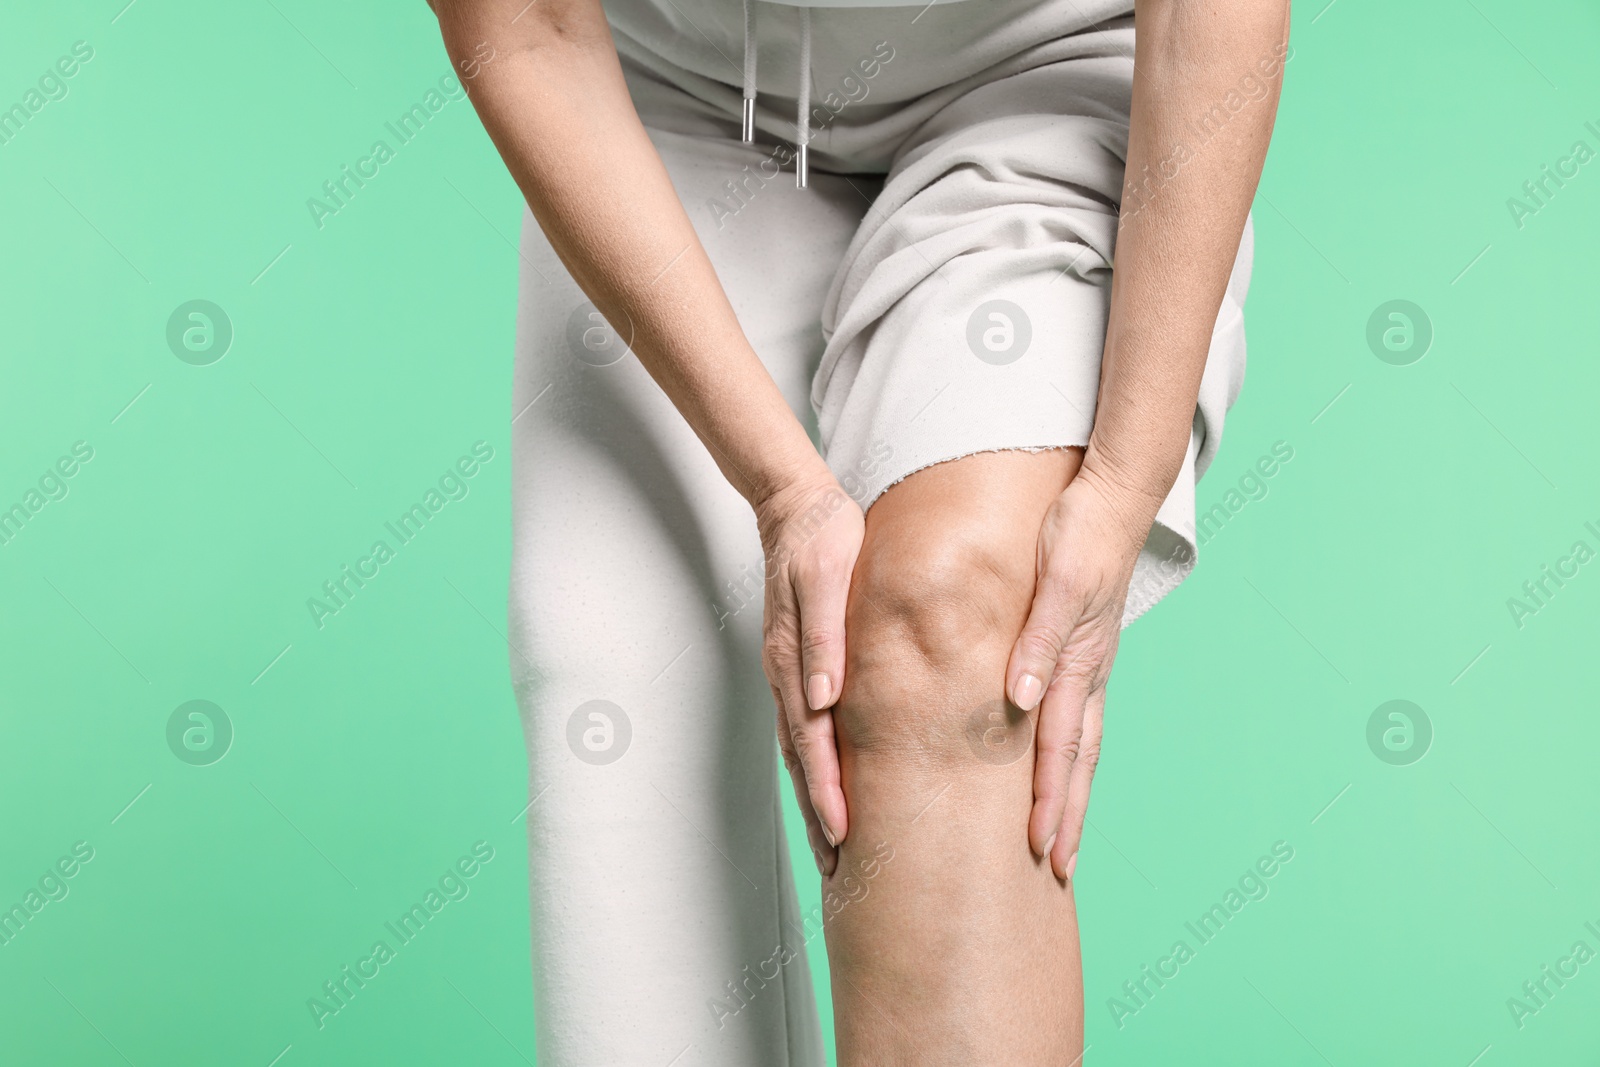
x: 1194, y: 157
x: 556, y: 106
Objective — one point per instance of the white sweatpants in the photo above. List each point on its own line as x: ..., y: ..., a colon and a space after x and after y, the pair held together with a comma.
x: 664, y: 913
x: 661, y: 877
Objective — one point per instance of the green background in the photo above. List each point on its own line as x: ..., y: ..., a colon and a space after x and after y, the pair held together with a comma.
x: 372, y: 753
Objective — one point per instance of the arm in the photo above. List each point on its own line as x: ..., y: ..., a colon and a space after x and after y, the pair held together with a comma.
x: 557, y: 108
x: 1177, y: 239
x: 555, y: 105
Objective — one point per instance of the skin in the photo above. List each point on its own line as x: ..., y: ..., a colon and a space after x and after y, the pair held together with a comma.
x: 996, y: 581
x: 943, y: 586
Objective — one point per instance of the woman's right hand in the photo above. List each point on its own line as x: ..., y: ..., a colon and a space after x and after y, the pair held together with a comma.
x: 811, y: 533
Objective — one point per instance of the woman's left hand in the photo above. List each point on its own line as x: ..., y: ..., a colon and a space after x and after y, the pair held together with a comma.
x: 1087, y: 547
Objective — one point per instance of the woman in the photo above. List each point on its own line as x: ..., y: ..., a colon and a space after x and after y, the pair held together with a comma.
x: 894, y: 234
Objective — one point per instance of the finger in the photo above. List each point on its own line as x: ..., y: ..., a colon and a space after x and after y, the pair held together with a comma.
x: 818, y: 751
x: 826, y: 855
x: 1051, y: 619
x: 1057, y: 742
x: 1064, y: 857
x: 810, y: 732
x: 821, y: 593
x: 812, y: 738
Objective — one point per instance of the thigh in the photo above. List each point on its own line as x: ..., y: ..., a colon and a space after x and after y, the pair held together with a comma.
x: 970, y: 312
x: 663, y: 909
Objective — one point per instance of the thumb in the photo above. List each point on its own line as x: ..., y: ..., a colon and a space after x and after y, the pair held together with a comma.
x: 821, y: 598
x: 1038, y: 648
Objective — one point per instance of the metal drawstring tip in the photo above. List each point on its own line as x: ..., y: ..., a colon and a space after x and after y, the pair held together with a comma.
x: 800, y: 168
x: 748, y: 129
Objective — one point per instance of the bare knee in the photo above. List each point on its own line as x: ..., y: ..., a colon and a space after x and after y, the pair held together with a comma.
x: 922, y: 629
x: 940, y: 592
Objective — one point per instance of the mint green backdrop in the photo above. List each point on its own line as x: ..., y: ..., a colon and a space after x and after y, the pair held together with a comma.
x: 370, y: 755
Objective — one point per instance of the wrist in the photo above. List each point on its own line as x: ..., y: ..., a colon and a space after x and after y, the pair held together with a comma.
x: 1139, y: 464
x: 1127, y: 497
x: 790, y: 487
x: 775, y: 455
x: 795, y: 512
x: 784, y: 480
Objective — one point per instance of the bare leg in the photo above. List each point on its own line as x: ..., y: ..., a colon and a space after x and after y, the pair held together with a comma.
x: 950, y: 942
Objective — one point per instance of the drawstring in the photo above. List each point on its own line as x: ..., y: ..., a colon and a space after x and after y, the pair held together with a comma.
x: 748, y: 128
x: 802, y: 119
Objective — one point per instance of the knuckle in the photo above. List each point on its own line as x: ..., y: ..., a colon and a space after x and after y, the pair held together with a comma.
x: 1066, y: 749
x: 1080, y: 668
x: 1072, y: 820
x: 1040, y: 642
x: 1090, y: 758
x: 801, y: 742
x: 1055, y: 580
x: 785, y: 744
x: 817, y: 641
x: 1062, y: 582
x: 775, y: 661
x: 777, y: 630
x: 774, y: 678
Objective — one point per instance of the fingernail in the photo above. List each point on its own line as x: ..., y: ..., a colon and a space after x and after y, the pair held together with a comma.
x: 818, y: 691
x: 832, y: 841
x: 1072, y: 865
x: 817, y: 855
x: 1048, y: 845
x: 1029, y: 689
